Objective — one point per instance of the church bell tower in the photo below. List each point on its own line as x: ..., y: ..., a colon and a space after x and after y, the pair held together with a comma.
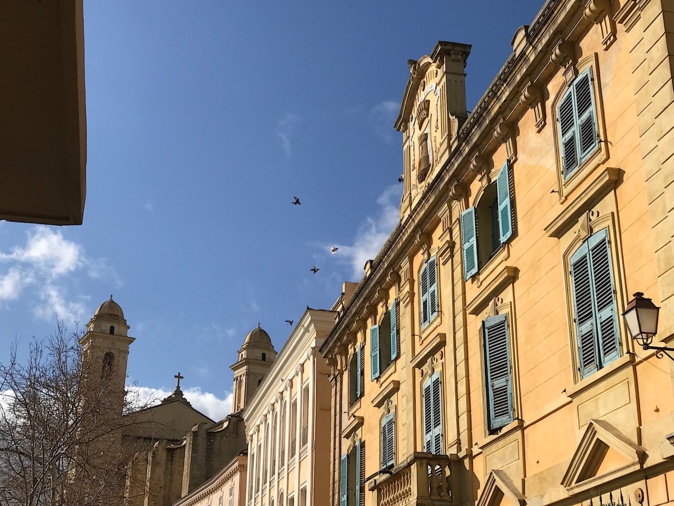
x: 256, y: 357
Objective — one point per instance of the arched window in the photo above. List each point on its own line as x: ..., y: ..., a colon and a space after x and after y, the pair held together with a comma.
x: 108, y: 365
x: 264, y: 357
x: 112, y: 329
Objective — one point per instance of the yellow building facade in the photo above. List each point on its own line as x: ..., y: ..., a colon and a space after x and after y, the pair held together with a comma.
x: 483, y: 358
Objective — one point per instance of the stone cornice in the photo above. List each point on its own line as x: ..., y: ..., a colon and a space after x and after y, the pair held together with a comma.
x: 238, y: 464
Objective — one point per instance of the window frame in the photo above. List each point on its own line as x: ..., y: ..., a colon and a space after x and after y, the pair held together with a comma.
x: 432, y: 312
x: 387, y: 433
x: 435, y: 430
x: 379, y: 360
x: 494, y: 422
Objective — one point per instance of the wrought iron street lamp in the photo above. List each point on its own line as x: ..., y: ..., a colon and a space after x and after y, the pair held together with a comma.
x: 641, y: 318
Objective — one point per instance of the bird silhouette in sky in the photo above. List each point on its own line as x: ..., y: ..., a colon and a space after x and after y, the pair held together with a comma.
x: 401, y: 179
x: 289, y: 322
x: 314, y: 269
x: 333, y: 249
x: 296, y: 202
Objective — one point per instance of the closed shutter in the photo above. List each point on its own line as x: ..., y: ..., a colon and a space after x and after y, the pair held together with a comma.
x: 566, y: 115
x: 584, y: 311
x: 433, y: 415
x: 469, y: 242
x: 432, y: 288
x: 359, y: 368
x: 394, y: 330
x: 497, y: 362
x: 359, y: 464
x: 374, y: 352
x: 504, y: 206
x: 604, y: 300
x: 585, y: 112
x: 423, y: 282
x: 343, y: 482
x: 387, y: 441
x: 361, y: 476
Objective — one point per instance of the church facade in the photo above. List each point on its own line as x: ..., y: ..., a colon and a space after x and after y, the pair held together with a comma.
x: 484, y: 359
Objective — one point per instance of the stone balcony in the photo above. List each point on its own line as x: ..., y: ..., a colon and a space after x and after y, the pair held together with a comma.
x: 422, y: 479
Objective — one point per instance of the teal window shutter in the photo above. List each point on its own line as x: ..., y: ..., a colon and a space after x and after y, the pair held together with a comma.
x: 423, y: 283
x: 504, y: 206
x: 437, y: 414
x: 432, y: 288
x: 603, y: 294
x: 469, y: 242
x: 394, y: 330
x: 359, y: 463
x: 428, y: 416
x: 374, y: 352
x: 387, y: 441
x: 585, y: 112
x: 359, y: 367
x: 584, y: 311
x: 433, y: 415
x: 343, y: 482
x: 498, y: 372
x: 566, y: 116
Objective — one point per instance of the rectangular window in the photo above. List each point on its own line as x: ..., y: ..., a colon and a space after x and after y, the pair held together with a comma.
x: 303, y: 497
x: 293, y: 428
x: 388, y: 441
x: 577, y: 124
x: 305, y: 415
x: 384, y: 341
x: 429, y: 292
x: 352, y: 476
x: 498, y: 372
x: 356, y: 375
x: 595, y: 314
x: 433, y: 415
x: 282, y: 436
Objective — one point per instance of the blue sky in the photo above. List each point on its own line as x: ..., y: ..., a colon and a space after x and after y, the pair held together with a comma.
x: 204, y: 119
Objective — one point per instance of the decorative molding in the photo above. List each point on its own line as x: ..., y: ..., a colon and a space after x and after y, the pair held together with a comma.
x: 354, y: 424
x: 629, y: 13
x: 609, y: 179
x: 506, y: 276
x: 498, y: 483
x: 589, y: 454
x: 432, y: 346
x: 458, y: 191
x: 385, y: 393
x: 600, y: 13
x: 446, y: 251
x: 478, y: 165
x: 505, y: 133
x: 562, y: 54
x: 533, y: 97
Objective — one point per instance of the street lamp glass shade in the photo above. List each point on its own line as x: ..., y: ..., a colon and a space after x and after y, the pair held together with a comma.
x: 641, y: 318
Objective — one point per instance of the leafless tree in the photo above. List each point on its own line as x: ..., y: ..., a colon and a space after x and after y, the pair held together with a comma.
x: 60, y: 427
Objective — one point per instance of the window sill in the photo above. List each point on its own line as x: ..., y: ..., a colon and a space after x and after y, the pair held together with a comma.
x: 608, y: 371
x: 388, y: 372
x: 579, y: 175
x: 303, y: 452
x: 598, y: 189
x: 385, y: 393
x: 291, y: 464
x: 431, y: 327
x: 505, y: 432
x: 354, y: 407
x: 432, y: 346
x: 499, y: 257
x: 505, y: 277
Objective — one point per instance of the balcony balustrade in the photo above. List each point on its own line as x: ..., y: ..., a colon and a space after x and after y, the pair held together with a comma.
x: 420, y: 480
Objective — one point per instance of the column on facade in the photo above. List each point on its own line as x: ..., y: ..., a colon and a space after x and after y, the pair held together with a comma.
x: 286, y: 430
x: 311, y: 359
x: 298, y: 427
x: 264, y: 475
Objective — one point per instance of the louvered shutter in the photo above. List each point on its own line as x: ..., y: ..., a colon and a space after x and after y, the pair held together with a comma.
x: 437, y: 414
x: 374, y: 352
x: 344, y: 482
x: 394, y: 330
x: 387, y: 441
x: 604, y: 300
x: 359, y: 463
x: 504, y: 206
x: 585, y: 114
x: 361, y: 370
x: 428, y: 416
x: 423, y: 283
x: 359, y: 367
x: 584, y: 311
x: 497, y: 361
x: 469, y: 242
x: 566, y: 115
x: 432, y: 288
x: 361, y: 477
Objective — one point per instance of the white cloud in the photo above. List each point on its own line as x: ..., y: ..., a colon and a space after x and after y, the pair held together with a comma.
x: 372, y: 233
x: 381, y: 118
x: 42, y: 268
x: 285, y: 129
x: 206, y: 402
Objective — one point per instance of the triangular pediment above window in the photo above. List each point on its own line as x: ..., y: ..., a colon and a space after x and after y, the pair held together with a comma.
x: 499, y: 490
x: 603, y: 451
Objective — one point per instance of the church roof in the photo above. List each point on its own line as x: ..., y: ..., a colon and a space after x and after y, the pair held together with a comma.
x: 258, y: 336
x: 110, y: 308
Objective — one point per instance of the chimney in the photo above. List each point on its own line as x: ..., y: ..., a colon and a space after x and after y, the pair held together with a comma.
x: 451, y: 57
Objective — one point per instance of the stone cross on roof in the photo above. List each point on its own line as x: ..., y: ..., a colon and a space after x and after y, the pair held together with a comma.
x: 178, y: 377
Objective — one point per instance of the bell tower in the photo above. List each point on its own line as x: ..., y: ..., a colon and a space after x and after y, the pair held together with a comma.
x: 256, y: 357
x: 105, y: 350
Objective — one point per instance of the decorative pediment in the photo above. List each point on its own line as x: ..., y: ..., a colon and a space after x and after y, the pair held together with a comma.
x: 603, y: 451
x: 500, y: 490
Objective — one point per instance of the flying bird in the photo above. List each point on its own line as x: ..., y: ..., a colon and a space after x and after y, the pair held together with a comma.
x: 333, y: 249
x: 289, y: 322
x: 401, y: 178
x: 314, y: 269
x: 296, y: 202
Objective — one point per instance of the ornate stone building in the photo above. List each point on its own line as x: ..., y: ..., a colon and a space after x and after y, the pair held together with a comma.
x: 483, y: 358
